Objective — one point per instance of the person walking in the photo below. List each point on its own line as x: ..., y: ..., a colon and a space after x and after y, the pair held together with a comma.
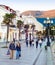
x: 27, y: 42
x: 30, y: 39
x: 40, y: 42
x: 18, y: 50
x: 36, y: 43
x: 11, y: 48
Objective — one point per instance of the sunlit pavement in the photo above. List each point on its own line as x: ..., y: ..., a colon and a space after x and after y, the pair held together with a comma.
x: 28, y: 56
x: 53, y: 52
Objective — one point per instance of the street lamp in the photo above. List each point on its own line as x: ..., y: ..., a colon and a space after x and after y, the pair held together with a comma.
x: 48, y: 22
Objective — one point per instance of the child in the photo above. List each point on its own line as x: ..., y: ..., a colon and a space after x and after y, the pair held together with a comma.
x: 18, y: 50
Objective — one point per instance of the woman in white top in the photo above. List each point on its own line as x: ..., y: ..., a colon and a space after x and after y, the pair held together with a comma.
x: 40, y: 42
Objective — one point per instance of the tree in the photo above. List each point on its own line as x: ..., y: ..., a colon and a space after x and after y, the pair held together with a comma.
x: 52, y: 31
x: 26, y: 30
x: 8, y: 21
x: 19, y: 25
x: 26, y: 26
x: 33, y: 27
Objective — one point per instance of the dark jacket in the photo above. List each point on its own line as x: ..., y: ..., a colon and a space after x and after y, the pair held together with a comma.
x: 12, y: 46
x: 18, y: 48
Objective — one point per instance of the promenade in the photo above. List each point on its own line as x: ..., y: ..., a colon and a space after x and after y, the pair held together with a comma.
x: 29, y: 55
x: 53, y: 52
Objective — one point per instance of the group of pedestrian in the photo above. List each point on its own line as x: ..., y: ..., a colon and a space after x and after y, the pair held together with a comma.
x: 39, y: 41
x: 15, y: 47
x: 30, y: 40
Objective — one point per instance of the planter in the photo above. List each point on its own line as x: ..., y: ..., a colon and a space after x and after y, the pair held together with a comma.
x: 45, y: 47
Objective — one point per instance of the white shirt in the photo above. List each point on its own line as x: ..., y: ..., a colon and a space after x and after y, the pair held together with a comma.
x: 40, y: 41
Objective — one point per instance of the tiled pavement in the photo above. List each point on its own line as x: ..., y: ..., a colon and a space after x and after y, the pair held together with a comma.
x: 28, y: 56
x: 53, y: 52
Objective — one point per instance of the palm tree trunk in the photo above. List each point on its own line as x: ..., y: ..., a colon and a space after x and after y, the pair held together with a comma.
x: 19, y: 34
x: 33, y: 33
x: 26, y: 33
x: 7, y: 34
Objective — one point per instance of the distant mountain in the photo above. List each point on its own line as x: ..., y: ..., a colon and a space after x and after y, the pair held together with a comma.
x: 40, y: 14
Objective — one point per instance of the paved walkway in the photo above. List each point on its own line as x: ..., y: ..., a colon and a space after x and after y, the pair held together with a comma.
x: 53, y: 52
x: 29, y: 56
x: 42, y: 60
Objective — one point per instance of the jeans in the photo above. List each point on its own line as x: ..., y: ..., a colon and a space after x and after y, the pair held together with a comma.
x: 40, y: 45
x: 17, y: 54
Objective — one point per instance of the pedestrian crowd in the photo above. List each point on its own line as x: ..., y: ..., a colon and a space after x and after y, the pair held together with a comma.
x: 17, y: 46
x: 39, y: 40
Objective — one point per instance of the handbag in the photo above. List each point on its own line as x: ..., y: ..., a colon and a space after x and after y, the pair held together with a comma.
x: 8, y: 52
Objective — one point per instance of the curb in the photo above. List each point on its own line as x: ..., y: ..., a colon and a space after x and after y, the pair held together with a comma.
x: 37, y: 57
x: 49, y: 57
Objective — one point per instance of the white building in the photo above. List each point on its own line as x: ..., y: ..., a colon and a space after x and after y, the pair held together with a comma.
x: 13, y: 31
x: 3, y: 29
x: 32, y: 20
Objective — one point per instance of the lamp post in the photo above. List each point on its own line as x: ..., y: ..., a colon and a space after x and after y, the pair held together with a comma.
x: 48, y: 22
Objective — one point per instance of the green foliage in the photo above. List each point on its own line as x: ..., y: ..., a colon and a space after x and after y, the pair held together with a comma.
x: 52, y: 31
x: 8, y: 18
x: 33, y: 26
x: 4, y: 47
x: 19, y: 23
x: 26, y: 26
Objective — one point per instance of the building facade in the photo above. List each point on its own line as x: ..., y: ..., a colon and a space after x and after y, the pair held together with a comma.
x: 14, y: 32
x: 3, y: 28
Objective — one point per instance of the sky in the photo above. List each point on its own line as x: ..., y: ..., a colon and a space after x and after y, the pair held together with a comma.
x: 24, y: 5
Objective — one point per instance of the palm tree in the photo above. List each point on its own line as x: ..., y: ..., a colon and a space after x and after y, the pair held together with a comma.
x: 26, y: 26
x: 26, y: 30
x: 33, y: 27
x: 19, y: 25
x: 7, y: 21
